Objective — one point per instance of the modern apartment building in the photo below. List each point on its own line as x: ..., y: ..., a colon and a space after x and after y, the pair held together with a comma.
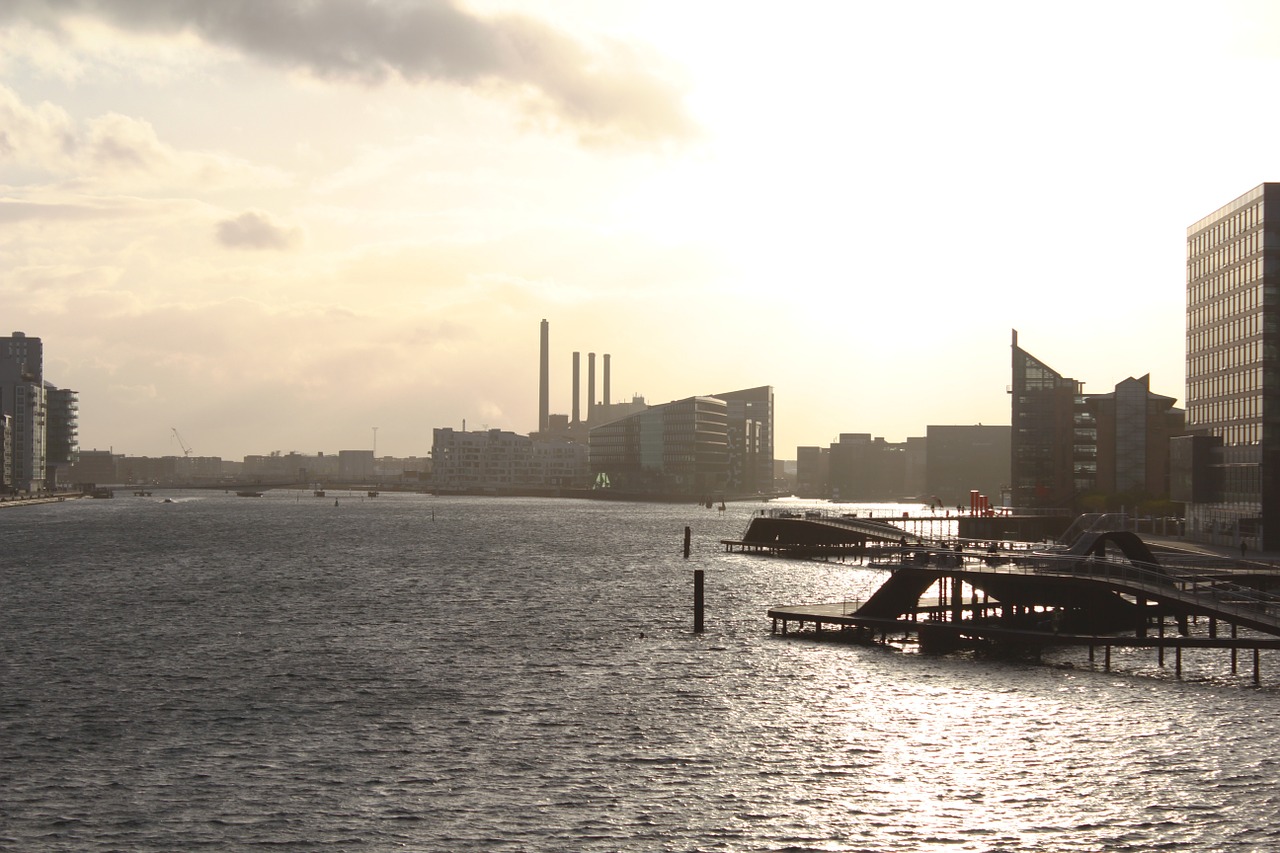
x: 1227, y: 471
x: 503, y: 462
x: 22, y: 398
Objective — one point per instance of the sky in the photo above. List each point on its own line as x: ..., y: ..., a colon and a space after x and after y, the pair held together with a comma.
x: 323, y: 225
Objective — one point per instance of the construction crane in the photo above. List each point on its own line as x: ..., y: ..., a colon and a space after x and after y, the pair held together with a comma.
x: 186, y: 451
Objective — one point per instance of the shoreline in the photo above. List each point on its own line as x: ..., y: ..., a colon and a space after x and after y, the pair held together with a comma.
x: 43, y: 499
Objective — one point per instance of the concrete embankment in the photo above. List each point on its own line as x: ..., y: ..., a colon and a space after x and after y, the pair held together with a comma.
x: 41, y: 499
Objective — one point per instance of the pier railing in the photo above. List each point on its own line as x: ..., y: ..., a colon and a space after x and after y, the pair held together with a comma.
x: 1209, y: 592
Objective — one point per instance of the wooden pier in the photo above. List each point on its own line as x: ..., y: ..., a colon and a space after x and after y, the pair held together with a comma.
x: 1107, y: 591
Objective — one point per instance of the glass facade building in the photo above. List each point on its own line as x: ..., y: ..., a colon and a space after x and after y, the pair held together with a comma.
x: 1053, y: 442
x: 1226, y: 471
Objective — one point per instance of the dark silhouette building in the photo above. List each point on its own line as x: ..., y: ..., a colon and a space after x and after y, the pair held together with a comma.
x: 1053, y: 442
x: 961, y: 459
x: 1066, y: 445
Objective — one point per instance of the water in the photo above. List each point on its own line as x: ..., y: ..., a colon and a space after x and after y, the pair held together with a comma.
x: 424, y: 673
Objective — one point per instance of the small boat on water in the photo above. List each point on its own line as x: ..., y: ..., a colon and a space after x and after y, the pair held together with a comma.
x: 249, y: 494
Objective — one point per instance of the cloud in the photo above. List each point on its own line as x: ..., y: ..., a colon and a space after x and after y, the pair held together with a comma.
x: 113, y: 150
x: 607, y: 92
x: 255, y: 230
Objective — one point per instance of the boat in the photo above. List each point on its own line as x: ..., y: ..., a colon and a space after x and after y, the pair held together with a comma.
x: 373, y: 493
x: 167, y: 500
x: 249, y: 494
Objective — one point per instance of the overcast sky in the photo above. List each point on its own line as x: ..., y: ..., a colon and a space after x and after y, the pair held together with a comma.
x: 276, y: 226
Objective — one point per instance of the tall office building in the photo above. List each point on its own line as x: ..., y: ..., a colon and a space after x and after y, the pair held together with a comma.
x: 1227, y: 471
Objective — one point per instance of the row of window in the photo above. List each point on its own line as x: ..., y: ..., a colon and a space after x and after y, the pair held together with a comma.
x: 1236, y: 359
x: 1204, y: 390
x: 1222, y: 257
x: 1209, y: 304
x: 1225, y: 412
x: 1230, y: 227
x: 1233, y: 333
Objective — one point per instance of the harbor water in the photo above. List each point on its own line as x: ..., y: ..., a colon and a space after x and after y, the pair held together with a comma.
x: 409, y: 672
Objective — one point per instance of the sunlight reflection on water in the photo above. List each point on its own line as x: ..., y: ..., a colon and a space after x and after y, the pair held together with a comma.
x: 520, y: 675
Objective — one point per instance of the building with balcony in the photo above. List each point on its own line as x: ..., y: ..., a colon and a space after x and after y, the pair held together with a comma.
x: 502, y: 462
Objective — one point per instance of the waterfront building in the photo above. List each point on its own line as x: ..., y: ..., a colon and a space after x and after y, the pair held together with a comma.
x: 863, y: 468
x: 961, y: 459
x: 1053, y: 442
x: 1067, y: 446
x: 500, y: 461
x: 749, y: 424
x: 22, y: 398
x: 355, y: 465
x: 813, y: 472
x: 94, y: 467
x: 678, y: 448
x: 1227, y: 469
x: 61, y: 434
x: 1134, y: 429
x: 6, y: 451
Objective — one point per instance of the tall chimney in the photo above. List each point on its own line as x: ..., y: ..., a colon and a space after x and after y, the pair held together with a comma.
x: 544, y: 381
x: 605, y: 398
x: 577, y: 393
x: 591, y: 387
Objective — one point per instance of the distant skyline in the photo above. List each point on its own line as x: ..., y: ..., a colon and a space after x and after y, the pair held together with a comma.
x: 276, y: 226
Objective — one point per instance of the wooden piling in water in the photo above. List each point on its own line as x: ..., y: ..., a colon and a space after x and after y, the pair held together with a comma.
x: 698, y: 600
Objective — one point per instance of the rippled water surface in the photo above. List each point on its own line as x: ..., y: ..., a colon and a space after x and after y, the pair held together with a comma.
x: 422, y: 673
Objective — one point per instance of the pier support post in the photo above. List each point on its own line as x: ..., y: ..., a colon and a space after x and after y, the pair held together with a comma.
x: 697, y: 600
x: 1177, y: 660
x: 688, y: 538
x: 1234, y: 651
x: 1257, y: 675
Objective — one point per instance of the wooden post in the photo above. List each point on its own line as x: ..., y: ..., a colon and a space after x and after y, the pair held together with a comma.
x: 697, y: 598
x: 1160, y: 646
x: 1177, y: 660
x: 1257, y: 677
x: 688, y: 536
x: 1107, y: 664
x: 1234, y: 650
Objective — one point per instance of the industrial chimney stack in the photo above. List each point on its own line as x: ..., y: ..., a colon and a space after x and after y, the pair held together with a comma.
x: 577, y: 392
x: 544, y: 381
x: 591, y: 387
x: 605, y: 398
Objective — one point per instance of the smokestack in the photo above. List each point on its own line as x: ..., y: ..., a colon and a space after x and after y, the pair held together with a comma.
x: 576, y: 391
x: 605, y: 398
x: 544, y: 381
x: 591, y: 387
